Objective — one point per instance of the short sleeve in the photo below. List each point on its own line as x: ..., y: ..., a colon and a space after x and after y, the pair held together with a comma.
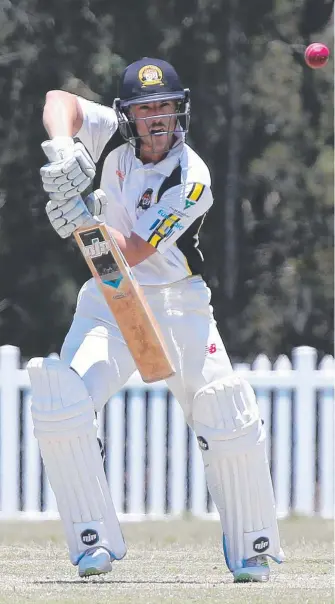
x: 163, y: 223
x: 99, y: 125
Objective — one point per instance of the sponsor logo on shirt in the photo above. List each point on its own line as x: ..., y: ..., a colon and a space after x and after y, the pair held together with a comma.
x: 179, y: 213
x: 163, y: 229
x: 176, y: 224
x: 211, y: 349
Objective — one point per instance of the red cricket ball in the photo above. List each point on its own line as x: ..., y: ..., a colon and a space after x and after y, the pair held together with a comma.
x: 316, y: 55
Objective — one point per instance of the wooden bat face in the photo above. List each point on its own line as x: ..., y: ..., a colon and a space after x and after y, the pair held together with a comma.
x: 126, y: 301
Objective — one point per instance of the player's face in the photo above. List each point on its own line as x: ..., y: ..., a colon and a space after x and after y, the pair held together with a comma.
x: 155, y: 124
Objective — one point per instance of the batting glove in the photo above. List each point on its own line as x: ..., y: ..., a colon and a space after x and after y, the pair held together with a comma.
x: 67, y: 177
x: 67, y: 216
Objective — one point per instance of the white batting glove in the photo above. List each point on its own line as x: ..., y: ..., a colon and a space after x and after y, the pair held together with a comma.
x: 67, y: 216
x: 67, y: 177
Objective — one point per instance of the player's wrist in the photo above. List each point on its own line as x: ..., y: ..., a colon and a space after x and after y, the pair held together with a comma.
x: 59, y: 147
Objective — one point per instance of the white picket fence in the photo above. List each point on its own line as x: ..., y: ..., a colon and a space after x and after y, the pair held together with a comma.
x: 153, y: 462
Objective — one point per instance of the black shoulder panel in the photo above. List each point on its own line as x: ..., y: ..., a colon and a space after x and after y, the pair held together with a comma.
x: 115, y: 141
x: 188, y: 244
x: 170, y: 181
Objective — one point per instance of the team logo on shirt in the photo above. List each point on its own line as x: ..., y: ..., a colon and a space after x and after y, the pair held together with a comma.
x: 145, y: 200
x: 150, y: 75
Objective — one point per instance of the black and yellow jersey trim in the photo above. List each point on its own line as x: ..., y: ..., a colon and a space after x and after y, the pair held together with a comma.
x: 196, y: 192
x: 163, y: 229
x: 188, y: 242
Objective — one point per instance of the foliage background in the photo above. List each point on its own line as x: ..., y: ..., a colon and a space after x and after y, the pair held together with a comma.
x: 261, y: 119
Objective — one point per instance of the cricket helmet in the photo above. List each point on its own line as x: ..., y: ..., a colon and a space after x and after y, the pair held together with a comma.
x: 145, y: 81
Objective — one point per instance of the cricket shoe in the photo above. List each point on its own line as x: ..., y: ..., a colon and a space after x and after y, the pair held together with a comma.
x: 95, y: 561
x: 254, y: 569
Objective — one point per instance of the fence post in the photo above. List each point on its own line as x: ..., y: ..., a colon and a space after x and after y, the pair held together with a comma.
x: 281, y: 462
x: 304, y: 360
x: 31, y: 461
x: 157, y: 452
x: 135, y: 444
x: 326, y: 445
x: 177, y: 460
x: 115, y: 436
x: 263, y: 396
x: 9, y: 429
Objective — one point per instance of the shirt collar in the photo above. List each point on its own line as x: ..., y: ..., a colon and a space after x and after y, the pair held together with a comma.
x: 168, y: 164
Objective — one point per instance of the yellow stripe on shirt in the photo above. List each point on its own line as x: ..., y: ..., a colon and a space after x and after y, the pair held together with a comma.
x: 154, y: 240
x: 196, y: 192
x: 162, y: 229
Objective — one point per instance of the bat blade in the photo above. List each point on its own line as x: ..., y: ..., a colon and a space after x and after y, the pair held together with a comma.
x: 126, y: 301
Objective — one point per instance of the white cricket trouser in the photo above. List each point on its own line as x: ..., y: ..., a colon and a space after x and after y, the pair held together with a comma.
x: 95, y: 349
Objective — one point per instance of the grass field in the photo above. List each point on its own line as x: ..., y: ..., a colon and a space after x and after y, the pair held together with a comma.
x: 172, y: 561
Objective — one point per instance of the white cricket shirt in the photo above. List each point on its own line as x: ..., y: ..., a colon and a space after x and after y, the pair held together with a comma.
x: 163, y: 203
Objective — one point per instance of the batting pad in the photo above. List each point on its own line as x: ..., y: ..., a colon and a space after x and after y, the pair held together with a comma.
x: 232, y: 440
x: 64, y: 424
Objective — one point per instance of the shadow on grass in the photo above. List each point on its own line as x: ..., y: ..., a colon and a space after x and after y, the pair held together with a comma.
x: 103, y: 582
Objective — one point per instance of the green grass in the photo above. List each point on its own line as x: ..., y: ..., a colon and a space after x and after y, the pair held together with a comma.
x: 172, y: 561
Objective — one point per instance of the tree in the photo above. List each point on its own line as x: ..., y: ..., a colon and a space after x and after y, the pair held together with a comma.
x: 261, y: 119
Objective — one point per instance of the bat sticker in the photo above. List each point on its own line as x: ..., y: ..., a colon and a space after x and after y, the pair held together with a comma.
x: 98, y: 251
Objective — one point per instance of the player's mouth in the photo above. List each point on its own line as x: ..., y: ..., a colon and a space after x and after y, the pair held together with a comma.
x: 157, y: 131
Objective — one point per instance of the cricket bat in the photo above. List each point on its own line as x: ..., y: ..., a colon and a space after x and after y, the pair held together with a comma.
x: 123, y: 295
x: 126, y: 301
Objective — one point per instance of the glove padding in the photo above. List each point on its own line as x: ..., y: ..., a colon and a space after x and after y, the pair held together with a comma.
x: 67, y: 216
x: 70, y: 176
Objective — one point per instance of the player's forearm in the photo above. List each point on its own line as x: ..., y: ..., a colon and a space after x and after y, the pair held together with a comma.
x: 62, y: 115
x: 134, y: 248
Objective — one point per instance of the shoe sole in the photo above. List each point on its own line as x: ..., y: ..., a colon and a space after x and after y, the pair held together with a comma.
x: 246, y: 578
x: 90, y: 572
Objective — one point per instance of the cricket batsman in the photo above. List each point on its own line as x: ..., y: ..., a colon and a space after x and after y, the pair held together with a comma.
x: 158, y: 192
